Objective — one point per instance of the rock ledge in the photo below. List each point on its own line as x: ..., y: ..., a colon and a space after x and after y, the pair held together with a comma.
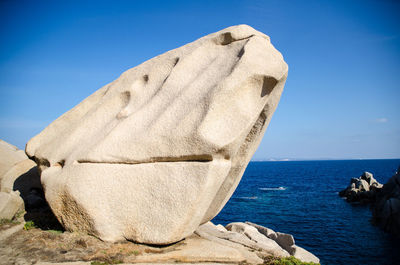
x: 238, y: 243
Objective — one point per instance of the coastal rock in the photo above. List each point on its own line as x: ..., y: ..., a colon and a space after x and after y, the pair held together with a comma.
x: 264, y: 230
x: 362, y: 185
x: 362, y: 189
x: 386, y: 209
x: 211, y: 232
x: 159, y: 151
x: 10, y: 204
x: 369, y: 178
x: 250, y: 236
x: 221, y: 228
x: 261, y: 241
x: 287, y: 242
x: 303, y: 255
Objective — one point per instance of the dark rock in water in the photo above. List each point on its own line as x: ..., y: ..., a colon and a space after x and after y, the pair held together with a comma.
x: 386, y: 209
x: 385, y: 199
x: 363, y: 189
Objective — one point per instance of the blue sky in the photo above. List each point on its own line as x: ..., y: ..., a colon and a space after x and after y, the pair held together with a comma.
x: 341, y: 99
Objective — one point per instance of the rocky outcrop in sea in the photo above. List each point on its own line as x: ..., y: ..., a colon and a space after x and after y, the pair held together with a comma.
x: 362, y: 189
x: 384, y: 199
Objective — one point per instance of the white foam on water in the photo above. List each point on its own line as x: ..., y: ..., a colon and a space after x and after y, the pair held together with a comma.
x: 247, y: 198
x: 279, y: 188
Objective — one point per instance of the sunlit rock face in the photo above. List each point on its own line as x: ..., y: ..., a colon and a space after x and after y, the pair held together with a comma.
x: 159, y: 151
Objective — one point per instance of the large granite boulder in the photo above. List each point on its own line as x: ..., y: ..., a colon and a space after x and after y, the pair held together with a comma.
x: 159, y: 151
x: 386, y: 209
x: 362, y: 189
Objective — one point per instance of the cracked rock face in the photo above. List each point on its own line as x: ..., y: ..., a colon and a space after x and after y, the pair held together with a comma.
x: 159, y: 151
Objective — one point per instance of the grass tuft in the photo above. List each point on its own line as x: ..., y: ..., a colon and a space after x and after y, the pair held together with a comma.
x: 5, y: 221
x: 135, y: 252
x: 29, y: 225
x: 14, y: 220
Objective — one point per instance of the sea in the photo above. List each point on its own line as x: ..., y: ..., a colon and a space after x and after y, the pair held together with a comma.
x: 301, y: 198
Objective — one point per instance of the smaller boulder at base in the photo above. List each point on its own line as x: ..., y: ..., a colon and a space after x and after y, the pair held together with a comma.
x: 287, y: 242
x: 9, y: 156
x: 252, y: 237
x: 10, y: 204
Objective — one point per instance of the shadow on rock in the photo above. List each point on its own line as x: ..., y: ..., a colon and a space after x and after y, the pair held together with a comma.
x: 37, y: 209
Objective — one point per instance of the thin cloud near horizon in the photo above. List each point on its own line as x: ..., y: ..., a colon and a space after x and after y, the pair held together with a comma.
x: 381, y: 120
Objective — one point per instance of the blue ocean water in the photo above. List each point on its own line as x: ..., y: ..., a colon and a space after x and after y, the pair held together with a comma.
x: 301, y: 198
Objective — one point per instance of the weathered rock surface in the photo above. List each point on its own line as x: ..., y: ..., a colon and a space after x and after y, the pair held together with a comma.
x: 261, y: 241
x: 286, y: 242
x: 386, y: 209
x: 264, y: 230
x: 159, y: 151
x: 303, y: 255
x: 362, y: 189
x: 207, y: 245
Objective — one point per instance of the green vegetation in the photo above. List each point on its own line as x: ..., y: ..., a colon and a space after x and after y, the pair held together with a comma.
x: 14, y: 220
x: 19, y: 214
x: 286, y: 261
x: 29, y: 225
x: 8, y: 221
x: 135, y: 252
x: 5, y: 221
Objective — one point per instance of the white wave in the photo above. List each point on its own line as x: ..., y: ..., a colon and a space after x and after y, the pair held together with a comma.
x: 279, y: 188
x: 247, y: 198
